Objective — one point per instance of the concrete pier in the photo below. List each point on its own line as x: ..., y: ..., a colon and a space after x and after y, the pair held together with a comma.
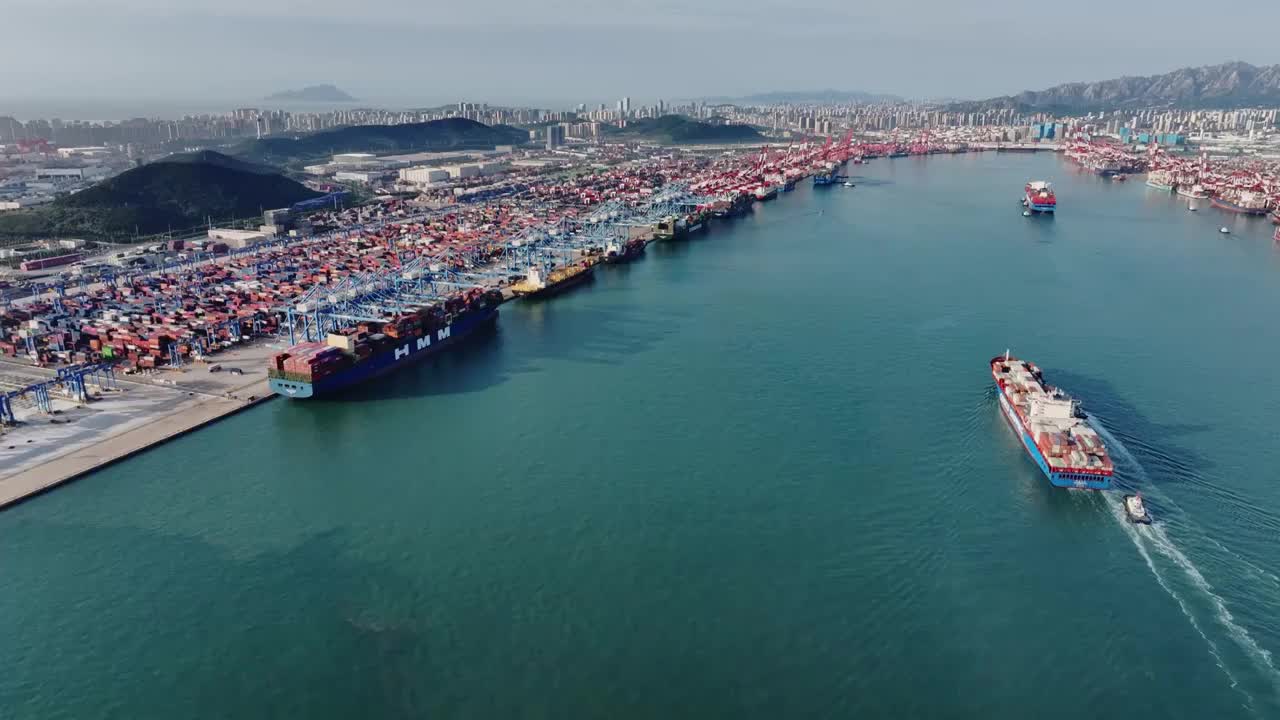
x: 46, y: 451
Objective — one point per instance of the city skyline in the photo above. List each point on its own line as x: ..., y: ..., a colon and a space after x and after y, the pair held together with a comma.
x: 399, y: 54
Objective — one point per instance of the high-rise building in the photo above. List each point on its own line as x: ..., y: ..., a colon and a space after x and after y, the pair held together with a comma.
x: 555, y: 136
x: 626, y: 106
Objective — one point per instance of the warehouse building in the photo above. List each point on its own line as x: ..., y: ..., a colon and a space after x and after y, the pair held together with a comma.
x: 423, y: 175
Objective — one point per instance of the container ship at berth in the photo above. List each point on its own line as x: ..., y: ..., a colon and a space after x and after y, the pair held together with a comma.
x: 1244, y: 202
x: 829, y: 175
x: 1194, y: 192
x: 1051, y: 426
x: 557, y: 281
x: 350, y: 356
x: 1160, y: 180
x: 766, y: 192
x: 617, y: 253
x: 1038, y: 196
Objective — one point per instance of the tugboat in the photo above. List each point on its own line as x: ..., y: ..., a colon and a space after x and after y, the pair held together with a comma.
x: 1135, y: 510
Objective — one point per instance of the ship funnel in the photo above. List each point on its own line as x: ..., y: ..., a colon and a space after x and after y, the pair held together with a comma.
x: 1006, y: 354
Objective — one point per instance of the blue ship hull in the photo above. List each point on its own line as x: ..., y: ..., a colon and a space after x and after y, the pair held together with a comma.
x: 1057, y: 479
x: 407, y: 352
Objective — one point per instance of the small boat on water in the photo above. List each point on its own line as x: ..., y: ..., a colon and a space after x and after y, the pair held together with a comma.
x: 1135, y: 510
x: 848, y: 184
x: 1026, y: 213
x: 1224, y: 230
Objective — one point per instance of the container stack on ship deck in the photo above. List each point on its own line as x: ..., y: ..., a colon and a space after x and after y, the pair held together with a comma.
x: 215, y: 297
x: 352, y: 355
x: 1051, y: 427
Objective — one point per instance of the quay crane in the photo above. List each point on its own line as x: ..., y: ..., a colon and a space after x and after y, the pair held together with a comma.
x: 72, y: 381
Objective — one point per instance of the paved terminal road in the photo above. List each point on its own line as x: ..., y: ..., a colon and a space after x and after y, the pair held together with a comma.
x: 44, y: 451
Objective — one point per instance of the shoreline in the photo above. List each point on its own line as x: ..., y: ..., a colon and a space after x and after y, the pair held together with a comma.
x: 157, y: 428
x: 81, y: 462
x: 142, y: 413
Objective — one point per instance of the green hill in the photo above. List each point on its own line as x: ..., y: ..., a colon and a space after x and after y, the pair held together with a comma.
x: 675, y: 129
x: 217, y: 159
x: 178, y: 193
x: 447, y: 134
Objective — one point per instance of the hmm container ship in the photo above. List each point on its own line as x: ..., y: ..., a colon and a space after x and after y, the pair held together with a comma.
x: 1051, y: 426
x: 350, y: 356
x: 1039, y: 197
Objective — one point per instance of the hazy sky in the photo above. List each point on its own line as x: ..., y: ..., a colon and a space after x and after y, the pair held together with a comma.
x: 567, y: 51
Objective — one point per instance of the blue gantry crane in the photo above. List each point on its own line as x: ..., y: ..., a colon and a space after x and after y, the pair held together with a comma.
x: 73, y: 381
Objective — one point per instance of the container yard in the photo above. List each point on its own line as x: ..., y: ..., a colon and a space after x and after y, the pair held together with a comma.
x: 1241, y: 185
x: 100, y: 370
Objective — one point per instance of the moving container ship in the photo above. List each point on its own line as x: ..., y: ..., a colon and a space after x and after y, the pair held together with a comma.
x: 1051, y: 426
x: 1038, y: 196
x: 351, y: 356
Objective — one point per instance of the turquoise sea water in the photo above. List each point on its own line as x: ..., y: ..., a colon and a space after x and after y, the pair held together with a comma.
x: 758, y: 474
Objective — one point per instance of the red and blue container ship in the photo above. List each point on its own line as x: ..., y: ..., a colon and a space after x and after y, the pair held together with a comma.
x: 1039, y: 197
x: 1051, y: 426
x: 351, y: 356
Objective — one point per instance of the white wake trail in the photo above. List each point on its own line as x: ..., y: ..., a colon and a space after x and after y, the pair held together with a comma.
x: 1118, y: 513
x: 1163, y: 543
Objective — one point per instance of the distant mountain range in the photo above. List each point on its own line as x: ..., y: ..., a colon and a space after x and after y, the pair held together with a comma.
x: 802, y: 97
x: 446, y: 134
x: 676, y: 129
x: 312, y: 93
x: 1230, y: 85
x: 178, y: 193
